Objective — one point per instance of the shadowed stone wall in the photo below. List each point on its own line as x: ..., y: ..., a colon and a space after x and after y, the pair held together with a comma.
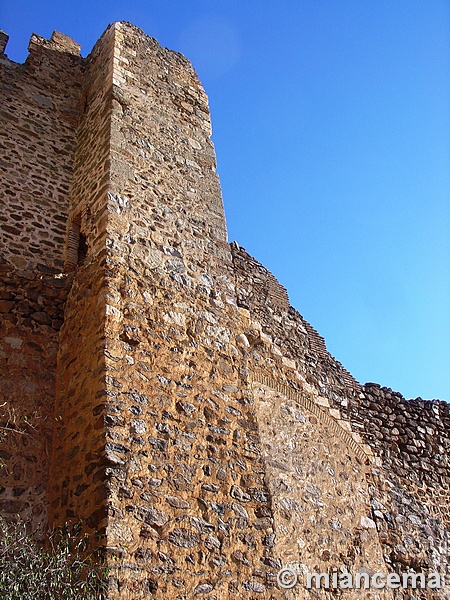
x: 79, y: 461
x: 38, y: 106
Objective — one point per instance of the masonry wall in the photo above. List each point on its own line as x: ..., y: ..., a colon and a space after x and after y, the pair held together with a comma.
x: 296, y: 340
x: 411, y: 437
x: 201, y: 428
x: 39, y: 118
x: 32, y: 312
x: 180, y: 423
x: 38, y: 105
x: 79, y: 458
x: 408, y: 440
x: 193, y: 504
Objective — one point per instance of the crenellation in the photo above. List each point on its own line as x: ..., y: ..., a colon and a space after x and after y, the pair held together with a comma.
x: 4, y: 37
x: 58, y: 42
x: 164, y: 393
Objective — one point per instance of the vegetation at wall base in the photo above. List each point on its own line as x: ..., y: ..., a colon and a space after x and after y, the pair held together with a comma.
x: 58, y: 568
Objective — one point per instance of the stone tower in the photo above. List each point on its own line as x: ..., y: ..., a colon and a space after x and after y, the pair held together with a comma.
x: 162, y: 391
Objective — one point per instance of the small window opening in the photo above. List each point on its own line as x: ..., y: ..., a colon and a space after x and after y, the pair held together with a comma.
x: 82, y: 249
x: 77, y: 247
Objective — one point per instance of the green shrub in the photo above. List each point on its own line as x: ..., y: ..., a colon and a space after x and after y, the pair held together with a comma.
x: 58, y: 569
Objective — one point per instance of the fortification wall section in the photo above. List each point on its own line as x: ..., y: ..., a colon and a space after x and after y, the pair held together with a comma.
x: 79, y: 458
x: 179, y: 424
x: 163, y: 161
x: 189, y: 507
x: 32, y: 312
x: 38, y: 103
x: 406, y: 442
x: 37, y: 139
x: 220, y: 480
x: 265, y: 297
x: 411, y: 437
x: 319, y: 490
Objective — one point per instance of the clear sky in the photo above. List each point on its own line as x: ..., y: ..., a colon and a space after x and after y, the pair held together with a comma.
x: 331, y: 121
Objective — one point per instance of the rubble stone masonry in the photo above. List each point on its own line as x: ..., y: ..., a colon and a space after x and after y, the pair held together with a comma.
x: 157, y: 385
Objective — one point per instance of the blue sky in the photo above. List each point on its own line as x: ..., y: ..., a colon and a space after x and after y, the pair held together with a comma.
x: 331, y: 122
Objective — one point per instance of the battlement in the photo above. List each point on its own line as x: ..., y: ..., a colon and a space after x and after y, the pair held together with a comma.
x: 58, y: 43
x: 4, y: 37
x: 170, y: 399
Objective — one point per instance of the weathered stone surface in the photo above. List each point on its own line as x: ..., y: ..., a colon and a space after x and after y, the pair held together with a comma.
x: 194, y: 419
x: 183, y: 538
x: 152, y: 516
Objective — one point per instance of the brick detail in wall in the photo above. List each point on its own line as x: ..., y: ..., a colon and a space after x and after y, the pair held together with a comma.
x: 338, y: 427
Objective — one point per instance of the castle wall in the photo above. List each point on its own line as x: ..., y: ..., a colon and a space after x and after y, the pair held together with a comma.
x: 318, y: 487
x: 296, y: 340
x: 180, y: 422
x: 200, y: 426
x: 412, y: 439
x: 37, y: 138
x: 192, y: 507
x: 79, y: 457
x: 408, y: 441
x: 32, y: 312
